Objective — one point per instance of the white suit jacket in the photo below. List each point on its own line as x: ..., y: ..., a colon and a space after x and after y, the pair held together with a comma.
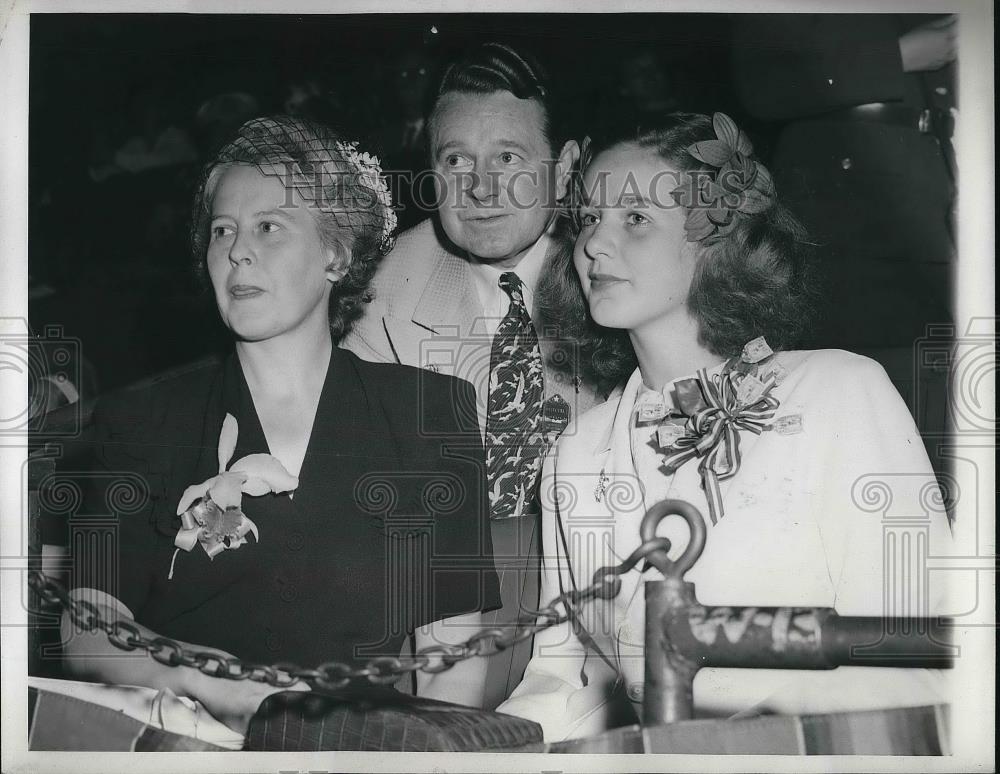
x: 811, y: 519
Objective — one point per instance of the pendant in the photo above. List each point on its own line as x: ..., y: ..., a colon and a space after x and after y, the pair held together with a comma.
x: 602, y: 486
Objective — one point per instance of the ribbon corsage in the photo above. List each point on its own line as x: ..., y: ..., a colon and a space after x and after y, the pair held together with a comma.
x: 718, y: 407
x: 211, y: 512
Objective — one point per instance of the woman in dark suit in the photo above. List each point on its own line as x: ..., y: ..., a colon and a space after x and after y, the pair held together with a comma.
x: 303, y: 505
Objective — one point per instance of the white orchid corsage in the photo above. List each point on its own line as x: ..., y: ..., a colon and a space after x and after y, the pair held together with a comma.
x: 211, y: 512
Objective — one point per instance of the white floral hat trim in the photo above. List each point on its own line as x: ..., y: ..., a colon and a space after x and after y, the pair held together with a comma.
x: 371, y: 176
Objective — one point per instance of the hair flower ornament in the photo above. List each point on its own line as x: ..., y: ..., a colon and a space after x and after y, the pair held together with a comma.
x: 211, y: 512
x: 371, y: 177
x: 740, y: 186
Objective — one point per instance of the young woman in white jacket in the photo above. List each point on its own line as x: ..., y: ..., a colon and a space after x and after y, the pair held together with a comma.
x: 691, y: 282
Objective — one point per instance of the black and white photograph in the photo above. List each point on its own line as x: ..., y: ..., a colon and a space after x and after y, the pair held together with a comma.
x: 557, y: 387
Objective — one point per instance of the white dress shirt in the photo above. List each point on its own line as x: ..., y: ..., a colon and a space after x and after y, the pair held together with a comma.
x: 486, y: 278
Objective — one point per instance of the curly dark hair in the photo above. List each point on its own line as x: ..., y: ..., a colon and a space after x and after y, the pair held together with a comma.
x: 306, y: 156
x: 757, y: 280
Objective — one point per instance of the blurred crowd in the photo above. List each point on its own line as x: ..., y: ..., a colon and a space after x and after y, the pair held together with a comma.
x: 124, y: 111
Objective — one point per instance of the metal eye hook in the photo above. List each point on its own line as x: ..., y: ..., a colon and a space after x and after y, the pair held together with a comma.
x: 696, y: 543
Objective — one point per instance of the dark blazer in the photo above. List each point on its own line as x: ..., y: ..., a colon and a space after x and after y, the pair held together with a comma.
x: 387, y: 530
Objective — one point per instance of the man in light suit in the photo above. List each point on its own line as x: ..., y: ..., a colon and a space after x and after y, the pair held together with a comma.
x: 445, y: 295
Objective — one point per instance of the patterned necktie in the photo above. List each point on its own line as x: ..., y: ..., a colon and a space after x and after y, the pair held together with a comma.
x: 514, y: 440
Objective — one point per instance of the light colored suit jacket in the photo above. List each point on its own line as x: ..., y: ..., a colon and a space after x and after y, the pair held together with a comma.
x: 806, y: 523
x: 426, y: 313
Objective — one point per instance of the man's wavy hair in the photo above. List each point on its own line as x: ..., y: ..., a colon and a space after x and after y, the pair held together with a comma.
x: 491, y: 67
x: 758, y: 280
x: 305, y: 157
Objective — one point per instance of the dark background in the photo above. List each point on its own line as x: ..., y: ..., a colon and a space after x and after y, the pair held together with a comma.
x: 108, y: 239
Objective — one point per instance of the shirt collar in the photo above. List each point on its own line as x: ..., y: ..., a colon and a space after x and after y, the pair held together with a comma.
x: 486, y: 276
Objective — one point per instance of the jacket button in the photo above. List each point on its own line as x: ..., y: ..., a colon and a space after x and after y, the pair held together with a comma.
x: 846, y: 163
x: 634, y: 692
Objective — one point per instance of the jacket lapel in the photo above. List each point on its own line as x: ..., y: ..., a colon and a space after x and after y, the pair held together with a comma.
x: 351, y: 439
x: 445, y: 332
x: 614, y: 451
x: 440, y: 330
x: 449, y: 298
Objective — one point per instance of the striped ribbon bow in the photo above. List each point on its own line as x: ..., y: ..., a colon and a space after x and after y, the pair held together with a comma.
x: 715, y: 417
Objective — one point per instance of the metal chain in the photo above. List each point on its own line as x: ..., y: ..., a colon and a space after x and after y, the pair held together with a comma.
x: 333, y: 675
